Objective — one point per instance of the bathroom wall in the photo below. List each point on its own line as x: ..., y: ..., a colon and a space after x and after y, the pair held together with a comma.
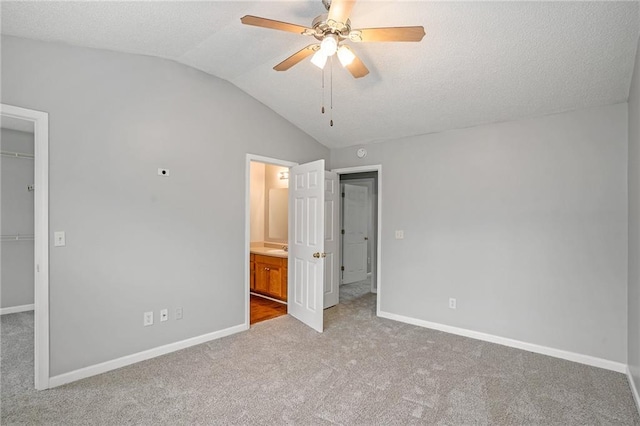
x: 17, y: 277
x: 257, y: 201
x: 272, y: 181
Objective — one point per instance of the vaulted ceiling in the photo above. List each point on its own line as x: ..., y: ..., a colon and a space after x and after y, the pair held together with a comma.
x: 479, y: 62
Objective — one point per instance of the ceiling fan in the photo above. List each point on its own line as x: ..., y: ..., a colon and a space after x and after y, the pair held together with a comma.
x: 332, y: 30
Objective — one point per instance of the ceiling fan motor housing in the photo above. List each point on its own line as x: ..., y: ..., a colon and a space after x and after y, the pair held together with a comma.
x: 324, y: 26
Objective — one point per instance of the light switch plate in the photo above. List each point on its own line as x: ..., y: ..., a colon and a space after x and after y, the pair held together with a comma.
x: 163, y: 172
x: 148, y: 319
x: 59, y: 239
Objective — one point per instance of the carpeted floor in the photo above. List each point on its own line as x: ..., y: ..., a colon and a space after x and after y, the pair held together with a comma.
x: 362, y: 370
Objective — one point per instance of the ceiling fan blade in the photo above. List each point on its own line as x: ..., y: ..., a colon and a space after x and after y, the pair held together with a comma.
x: 357, y: 68
x: 297, y: 57
x: 340, y: 10
x: 388, y: 34
x: 274, y: 25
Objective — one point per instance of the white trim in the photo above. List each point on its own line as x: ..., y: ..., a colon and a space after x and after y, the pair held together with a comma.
x: 16, y: 309
x: 544, y: 350
x: 247, y: 223
x: 634, y: 389
x: 114, y: 364
x: 362, y: 169
x: 41, y: 237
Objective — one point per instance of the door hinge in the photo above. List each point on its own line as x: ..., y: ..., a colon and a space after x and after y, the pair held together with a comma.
x: 343, y: 195
x: 342, y: 268
x: 342, y: 232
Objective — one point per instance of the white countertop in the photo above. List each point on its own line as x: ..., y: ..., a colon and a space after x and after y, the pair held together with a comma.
x: 270, y: 251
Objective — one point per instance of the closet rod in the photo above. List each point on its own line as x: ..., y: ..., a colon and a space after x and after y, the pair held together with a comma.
x: 17, y: 155
x: 17, y: 237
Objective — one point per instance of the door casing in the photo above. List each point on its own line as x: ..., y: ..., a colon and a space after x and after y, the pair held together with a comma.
x: 40, y: 122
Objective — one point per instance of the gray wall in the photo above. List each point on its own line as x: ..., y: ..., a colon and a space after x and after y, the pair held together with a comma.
x: 634, y: 225
x: 136, y: 241
x: 525, y: 223
x: 17, y: 276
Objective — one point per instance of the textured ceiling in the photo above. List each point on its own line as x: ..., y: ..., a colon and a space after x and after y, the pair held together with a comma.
x: 480, y: 62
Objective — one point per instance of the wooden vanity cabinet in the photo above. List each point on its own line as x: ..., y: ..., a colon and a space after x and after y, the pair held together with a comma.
x: 271, y: 276
x: 252, y: 271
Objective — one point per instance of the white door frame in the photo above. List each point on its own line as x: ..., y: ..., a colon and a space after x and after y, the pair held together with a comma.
x: 363, y: 169
x: 247, y: 225
x: 40, y: 122
x: 368, y: 182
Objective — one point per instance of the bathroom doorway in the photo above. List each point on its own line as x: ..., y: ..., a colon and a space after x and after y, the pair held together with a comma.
x: 268, y: 230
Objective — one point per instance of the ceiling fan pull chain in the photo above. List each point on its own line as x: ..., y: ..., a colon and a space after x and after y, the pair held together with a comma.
x: 322, y: 73
x: 331, y: 92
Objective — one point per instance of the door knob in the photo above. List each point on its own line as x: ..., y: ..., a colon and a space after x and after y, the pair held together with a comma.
x: 316, y: 255
x: 366, y: 238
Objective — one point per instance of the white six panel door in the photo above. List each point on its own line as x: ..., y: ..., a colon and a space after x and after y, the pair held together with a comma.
x: 306, y: 243
x: 356, y: 222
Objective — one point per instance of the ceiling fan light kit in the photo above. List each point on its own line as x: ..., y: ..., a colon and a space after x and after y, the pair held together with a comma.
x: 329, y: 45
x: 345, y: 55
x: 319, y: 59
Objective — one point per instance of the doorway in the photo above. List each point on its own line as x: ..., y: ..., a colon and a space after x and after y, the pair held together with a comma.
x: 359, y: 215
x: 268, y: 183
x: 313, y: 239
x: 16, y: 120
x: 360, y: 246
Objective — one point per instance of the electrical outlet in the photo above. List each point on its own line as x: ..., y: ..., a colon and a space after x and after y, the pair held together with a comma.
x: 399, y: 235
x: 452, y: 303
x: 178, y: 313
x: 164, y: 315
x: 148, y: 319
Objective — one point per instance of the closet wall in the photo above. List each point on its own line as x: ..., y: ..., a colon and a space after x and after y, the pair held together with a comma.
x: 17, y: 214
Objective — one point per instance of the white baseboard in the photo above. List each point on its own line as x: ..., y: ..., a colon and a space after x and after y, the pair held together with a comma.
x: 634, y: 389
x: 544, y: 350
x: 103, y: 367
x: 16, y: 309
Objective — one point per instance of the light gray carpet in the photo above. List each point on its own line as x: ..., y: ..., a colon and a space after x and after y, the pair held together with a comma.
x: 362, y: 370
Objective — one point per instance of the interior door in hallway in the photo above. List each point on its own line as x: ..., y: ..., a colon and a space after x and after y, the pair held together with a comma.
x: 355, y: 238
x: 306, y: 243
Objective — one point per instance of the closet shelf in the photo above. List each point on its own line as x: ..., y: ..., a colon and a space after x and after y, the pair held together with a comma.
x: 17, y: 237
x: 17, y: 155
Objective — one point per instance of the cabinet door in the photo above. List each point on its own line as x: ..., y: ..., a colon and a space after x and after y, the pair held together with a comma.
x: 252, y: 279
x: 275, y: 282
x: 262, y: 277
x: 284, y: 284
